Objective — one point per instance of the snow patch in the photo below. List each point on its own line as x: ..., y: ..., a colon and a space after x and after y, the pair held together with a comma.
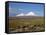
x: 20, y: 14
x: 28, y: 14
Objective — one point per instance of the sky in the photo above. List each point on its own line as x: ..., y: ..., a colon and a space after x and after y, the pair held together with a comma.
x: 25, y: 8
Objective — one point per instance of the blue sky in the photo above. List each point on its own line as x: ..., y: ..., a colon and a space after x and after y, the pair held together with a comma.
x: 17, y: 8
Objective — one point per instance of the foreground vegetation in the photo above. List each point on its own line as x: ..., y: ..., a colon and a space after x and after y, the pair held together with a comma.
x: 26, y: 25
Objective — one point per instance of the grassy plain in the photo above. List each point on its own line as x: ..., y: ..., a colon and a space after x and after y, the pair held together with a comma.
x: 31, y: 24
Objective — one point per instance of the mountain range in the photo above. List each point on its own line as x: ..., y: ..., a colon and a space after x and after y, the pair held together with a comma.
x: 28, y: 14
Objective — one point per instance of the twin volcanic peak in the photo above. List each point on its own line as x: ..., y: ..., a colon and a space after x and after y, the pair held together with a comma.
x: 28, y: 14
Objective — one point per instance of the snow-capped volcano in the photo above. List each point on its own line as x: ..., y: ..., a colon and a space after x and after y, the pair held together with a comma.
x: 20, y: 14
x: 28, y: 14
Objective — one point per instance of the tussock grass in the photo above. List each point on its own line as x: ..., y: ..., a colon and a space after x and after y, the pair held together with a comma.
x: 35, y: 23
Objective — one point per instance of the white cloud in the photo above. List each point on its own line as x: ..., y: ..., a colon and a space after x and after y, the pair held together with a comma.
x: 20, y: 9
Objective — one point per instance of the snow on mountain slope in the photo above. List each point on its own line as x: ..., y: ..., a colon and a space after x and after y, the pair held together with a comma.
x: 28, y: 14
x: 20, y: 14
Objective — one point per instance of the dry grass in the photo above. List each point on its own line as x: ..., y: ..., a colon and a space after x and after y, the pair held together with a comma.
x: 26, y: 25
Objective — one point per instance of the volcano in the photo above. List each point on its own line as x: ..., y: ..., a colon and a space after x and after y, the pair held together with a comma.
x: 27, y: 14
